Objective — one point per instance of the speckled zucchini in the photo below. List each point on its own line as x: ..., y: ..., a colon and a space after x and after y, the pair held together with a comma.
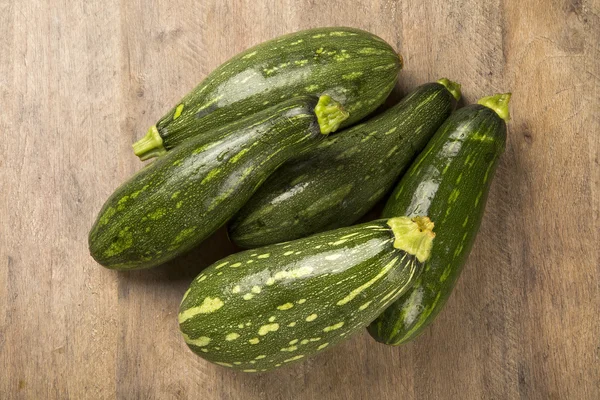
x: 448, y: 182
x: 260, y: 309
x: 177, y: 201
x: 355, y: 67
x: 336, y: 183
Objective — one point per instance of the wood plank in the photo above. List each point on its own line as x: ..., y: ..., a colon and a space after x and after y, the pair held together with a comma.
x: 79, y: 82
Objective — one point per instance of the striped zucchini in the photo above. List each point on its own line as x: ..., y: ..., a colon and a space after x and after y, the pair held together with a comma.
x: 336, y: 183
x: 353, y: 66
x: 177, y: 201
x: 449, y: 182
x: 261, y: 309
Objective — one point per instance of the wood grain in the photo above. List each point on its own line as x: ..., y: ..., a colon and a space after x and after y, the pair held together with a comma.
x: 80, y: 81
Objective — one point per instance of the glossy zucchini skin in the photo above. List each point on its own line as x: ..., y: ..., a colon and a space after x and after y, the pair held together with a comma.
x: 180, y: 199
x: 337, y: 182
x: 261, y: 309
x: 449, y: 182
x: 355, y: 67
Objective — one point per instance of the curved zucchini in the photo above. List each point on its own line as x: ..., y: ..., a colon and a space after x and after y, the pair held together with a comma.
x: 449, y: 182
x: 179, y: 200
x: 336, y: 183
x: 261, y: 309
x: 355, y: 67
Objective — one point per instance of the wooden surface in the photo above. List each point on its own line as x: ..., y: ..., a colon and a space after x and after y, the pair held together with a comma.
x: 81, y: 80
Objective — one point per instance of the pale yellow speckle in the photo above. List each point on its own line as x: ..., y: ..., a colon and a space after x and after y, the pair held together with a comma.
x: 270, y: 281
x: 222, y: 265
x: 203, y: 277
x: 294, y: 358
x: 208, y: 306
x: 285, y: 306
x: 301, y: 301
x: 260, y: 357
x: 266, y: 255
x: 288, y: 253
x: 254, y: 340
x: 271, y: 319
x: 250, y: 370
x: 315, y: 339
x: 248, y: 296
x: 248, y: 323
x: 352, y: 75
x: 291, y: 348
x: 304, y: 341
x: 322, y: 346
x: 200, y: 342
x: 235, y: 265
x: 292, y: 324
x: 249, y: 261
x: 236, y: 289
x: 224, y: 364
x: 204, y: 350
x: 320, y: 35
x: 263, y: 330
x: 333, y: 257
x: 333, y: 327
x: 293, y: 274
x: 240, y: 326
x: 293, y: 341
x: 231, y: 336
x: 311, y: 317
x: 364, y: 305
x: 249, y: 55
x: 178, y: 111
x: 237, y: 363
x: 255, y: 289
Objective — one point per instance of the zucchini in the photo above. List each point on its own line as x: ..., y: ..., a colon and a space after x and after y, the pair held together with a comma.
x: 353, y: 66
x: 179, y: 200
x: 449, y: 181
x: 336, y: 183
x: 260, y: 309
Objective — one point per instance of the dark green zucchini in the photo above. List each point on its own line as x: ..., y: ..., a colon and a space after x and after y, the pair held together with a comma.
x: 177, y: 201
x: 336, y: 183
x: 261, y: 309
x: 449, y: 181
x: 353, y: 66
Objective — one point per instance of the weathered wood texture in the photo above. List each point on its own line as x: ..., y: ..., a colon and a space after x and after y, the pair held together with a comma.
x: 80, y: 81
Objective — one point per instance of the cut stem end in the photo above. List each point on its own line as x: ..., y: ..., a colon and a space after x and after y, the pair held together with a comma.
x: 330, y: 114
x: 150, y: 145
x: 453, y: 87
x: 498, y: 103
x: 413, y: 235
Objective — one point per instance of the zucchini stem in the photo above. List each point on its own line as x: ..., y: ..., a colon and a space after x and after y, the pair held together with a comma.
x: 498, y: 103
x: 330, y: 114
x: 453, y: 87
x: 150, y: 145
x: 413, y: 235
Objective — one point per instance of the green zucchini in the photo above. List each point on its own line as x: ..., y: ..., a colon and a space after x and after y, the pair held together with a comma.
x: 179, y: 200
x: 449, y: 181
x: 355, y: 67
x: 336, y: 183
x: 260, y: 309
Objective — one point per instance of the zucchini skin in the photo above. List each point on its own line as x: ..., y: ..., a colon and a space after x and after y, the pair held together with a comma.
x: 449, y: 182
x: 180, y: 199
x: 355, y: 67
x: 260, y: 309
x: 337, y: 182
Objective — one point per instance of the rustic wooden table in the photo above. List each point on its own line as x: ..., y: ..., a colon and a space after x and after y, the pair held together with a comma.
x: 80, y: 81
